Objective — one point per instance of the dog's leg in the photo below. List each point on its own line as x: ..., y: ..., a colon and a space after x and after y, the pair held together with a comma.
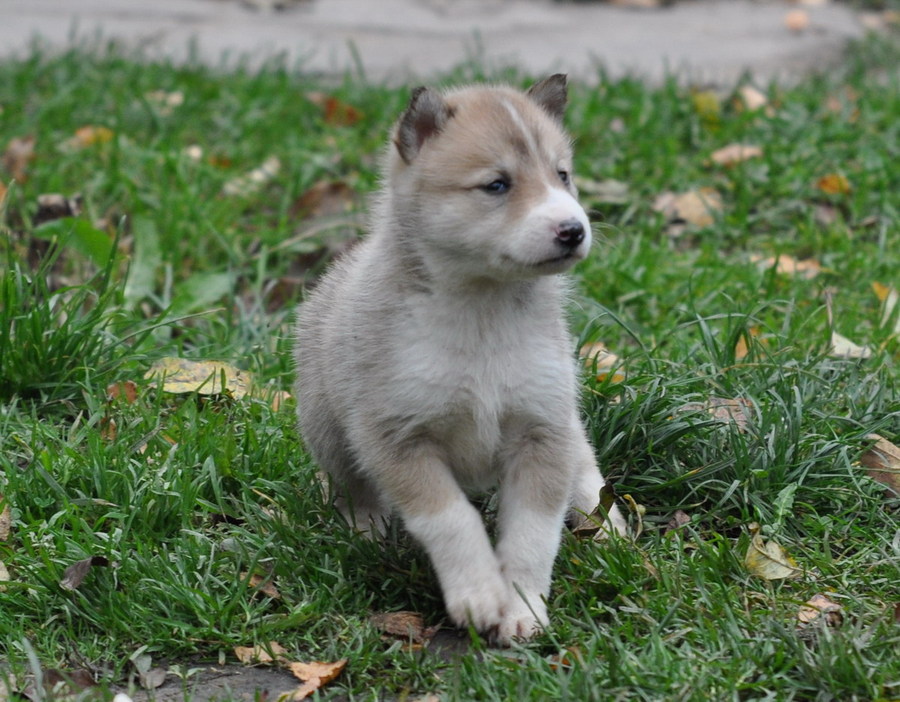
x: 586, y: 491
x: 533, y: 500
x: 436, y: 511
x: 362, y: 506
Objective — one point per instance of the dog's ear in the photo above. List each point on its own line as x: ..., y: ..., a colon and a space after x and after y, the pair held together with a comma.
x: 551, y: 94
x: 425, y: 116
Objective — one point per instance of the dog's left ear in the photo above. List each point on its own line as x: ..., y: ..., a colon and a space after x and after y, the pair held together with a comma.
x: 425, y: 116
x: 551, y: 94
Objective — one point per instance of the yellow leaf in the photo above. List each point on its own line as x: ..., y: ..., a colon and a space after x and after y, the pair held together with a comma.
x: 707, y: 105
x: 90, y: 135
x: 767, y: 559
x: 596, y: 357
x: 180, y: 375
x: 889, y: 298
x: 314, y: 675
x: 834, y: 184
x: 735, y: 153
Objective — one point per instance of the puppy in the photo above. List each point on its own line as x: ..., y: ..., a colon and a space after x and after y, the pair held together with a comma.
x: 434, y: 361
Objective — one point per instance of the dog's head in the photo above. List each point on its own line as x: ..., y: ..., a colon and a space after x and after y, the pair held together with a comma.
x: 482, y: 178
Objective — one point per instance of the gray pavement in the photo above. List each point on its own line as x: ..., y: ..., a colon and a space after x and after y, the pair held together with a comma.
x: 709, y: 41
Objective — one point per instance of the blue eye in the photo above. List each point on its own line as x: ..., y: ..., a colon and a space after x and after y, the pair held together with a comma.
x: 497, y: 187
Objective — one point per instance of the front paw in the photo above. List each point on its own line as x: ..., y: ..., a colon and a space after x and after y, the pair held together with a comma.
x: 522, y: 619
x: 480, y: 605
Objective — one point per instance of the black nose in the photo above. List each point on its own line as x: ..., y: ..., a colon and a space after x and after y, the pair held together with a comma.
x: 570, y: 233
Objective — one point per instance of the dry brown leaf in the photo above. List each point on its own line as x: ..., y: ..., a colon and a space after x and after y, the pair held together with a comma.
x: 741, y: 348
x: 409, y: 626
x: 325, y: 198
x: 5, y: 519
x: 752, y: 98
x: 261, y: 655
x: 125, y: 390
x: 265, y: 585
x: 89, y: 135
x: 279, y: 398
x: 335, y: 112
x: 735, y: 153
x: 842, y: 347
x: 3, y: 191
x: 726, y: 410
x: 18, y: 155
x: 75, y: 574
x: 594, y: 524
x: 797, y: 21
x: 882, y: 462
x: 108, y: 429
x: 314, y: 675
x: 788, y: 265
x: 252, y: 181
x: 678, y: 520
x: 607, y: 192
x: 697, y: 207
x: 768, y: 559
x: 819, y: 608
x: 180, y: 375
x: 834, y: 184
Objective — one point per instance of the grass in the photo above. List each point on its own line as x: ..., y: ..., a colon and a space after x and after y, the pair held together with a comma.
x: 190, y: 494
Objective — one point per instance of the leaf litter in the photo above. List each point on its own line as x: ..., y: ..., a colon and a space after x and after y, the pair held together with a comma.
x: 768, y: 559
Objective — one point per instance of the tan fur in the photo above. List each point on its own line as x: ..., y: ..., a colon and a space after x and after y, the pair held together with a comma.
x: 433, y: 360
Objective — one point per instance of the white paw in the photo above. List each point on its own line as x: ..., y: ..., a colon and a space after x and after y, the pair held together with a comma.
x: 521, y: 620
x: 478, y: 604
x: 615, y: 523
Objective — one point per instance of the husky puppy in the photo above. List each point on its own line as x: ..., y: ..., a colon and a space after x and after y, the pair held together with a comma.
x: 434, y: 360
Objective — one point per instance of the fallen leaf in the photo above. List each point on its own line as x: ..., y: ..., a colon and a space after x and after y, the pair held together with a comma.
x: 752, y: 98
x: 153, y: 678
x: 255, y: 655
x: 75, y: 574
x: 834, y: 184
x: 334, y: 111
x: 108, y: 429
x: 165, y: 102
x: 566, y: 659
x: 5, y: 519
x: 600, y: 360
x: 697, y: 207
x: 735, y: 153
x: 18, y: 155
x: 741, y: 348
x: 409, y: 626
x: 883, y: 463
x: 678, y: 520
x: 278, y: 399
x: 328, y: 197
x: 180, y: 375
x: 728, y: 411
x: 842, y: 347
x: 807, y: 268
x: 252, y: 181
x: 594, y: 524
x: 3, y: 191
x: 797, y: 21
x: 707, y: 105
x: 265, y: 585
x: 4, y: 578
x: 768, y: 559
x: 820, y: 608
x: 314, y: 675
x: 89, y: 135
x: 607, y: 192
x: 125, y: 390
x: 889, y: 298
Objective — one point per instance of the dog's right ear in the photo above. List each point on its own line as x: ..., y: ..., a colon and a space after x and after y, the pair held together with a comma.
x: 425, y: 116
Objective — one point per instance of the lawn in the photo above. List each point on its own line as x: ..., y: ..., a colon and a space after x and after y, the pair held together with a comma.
x: 750, y: 307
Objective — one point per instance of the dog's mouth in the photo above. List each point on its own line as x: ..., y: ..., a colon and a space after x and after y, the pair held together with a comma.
x: 562, y: 259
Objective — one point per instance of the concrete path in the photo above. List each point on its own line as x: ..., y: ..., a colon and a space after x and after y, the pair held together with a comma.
x: 711, y: 41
